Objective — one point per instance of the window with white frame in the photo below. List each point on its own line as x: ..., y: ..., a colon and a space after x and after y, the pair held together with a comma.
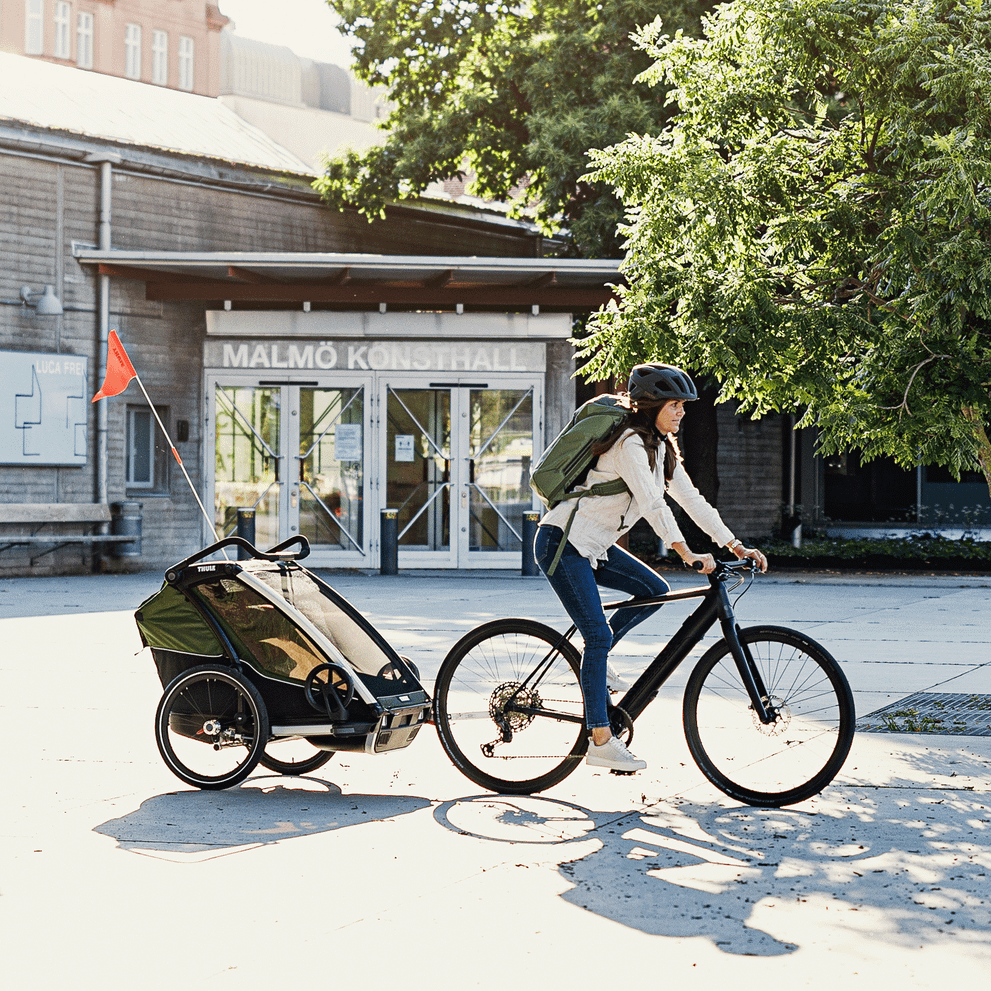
x: 63, y: 30
x: 139, y: 457
x: 160, y: 58
x: 146, y: 461
x: 186, y: 51
x: 34, y: 27
x: 132, y: 51
x: 84, y: 41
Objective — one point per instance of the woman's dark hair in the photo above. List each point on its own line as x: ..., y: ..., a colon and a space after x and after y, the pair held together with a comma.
x: 641, y: 422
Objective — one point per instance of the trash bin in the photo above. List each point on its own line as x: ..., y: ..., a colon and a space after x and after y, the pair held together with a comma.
x: 125, y: 521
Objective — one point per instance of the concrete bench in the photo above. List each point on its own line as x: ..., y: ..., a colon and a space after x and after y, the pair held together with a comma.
x: 41, y: 514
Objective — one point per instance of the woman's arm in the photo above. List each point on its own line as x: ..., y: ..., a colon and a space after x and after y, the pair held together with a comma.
x: 684, y: 492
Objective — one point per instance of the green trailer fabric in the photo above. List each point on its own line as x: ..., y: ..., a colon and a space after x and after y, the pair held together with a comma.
x: 168, y: 620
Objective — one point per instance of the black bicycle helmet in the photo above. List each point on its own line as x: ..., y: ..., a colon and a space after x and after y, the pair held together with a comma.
x: 657, y: 383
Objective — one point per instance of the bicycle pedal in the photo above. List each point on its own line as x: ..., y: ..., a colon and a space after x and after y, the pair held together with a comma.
x: 613, y: 770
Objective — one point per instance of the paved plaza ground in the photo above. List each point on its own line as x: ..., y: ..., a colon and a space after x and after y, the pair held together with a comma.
x: 395, y: 869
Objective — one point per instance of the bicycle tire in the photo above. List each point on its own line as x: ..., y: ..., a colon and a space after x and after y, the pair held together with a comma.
x: 211, y: 727
x: 791, y: 759
x: 476, y: 681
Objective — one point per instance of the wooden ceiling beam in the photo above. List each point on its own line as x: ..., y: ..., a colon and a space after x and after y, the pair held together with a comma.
x: 150, y: 275
x: 541, y: 282
x: 250, y: 275
x: 440, y: 280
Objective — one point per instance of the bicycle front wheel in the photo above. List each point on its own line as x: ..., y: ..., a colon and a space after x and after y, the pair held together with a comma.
x: 801, y: 751
x: 508, y: 707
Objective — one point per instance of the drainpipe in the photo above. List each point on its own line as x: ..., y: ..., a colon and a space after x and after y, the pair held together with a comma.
x: 106, y: 162
x: 796, y: 533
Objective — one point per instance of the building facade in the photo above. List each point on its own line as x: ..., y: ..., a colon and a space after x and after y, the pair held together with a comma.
x: 296, y: 374
x: 169, y: 43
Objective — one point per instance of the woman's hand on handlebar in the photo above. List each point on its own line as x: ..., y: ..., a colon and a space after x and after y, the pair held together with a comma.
x: 753, y: 554
x: 705, y: 563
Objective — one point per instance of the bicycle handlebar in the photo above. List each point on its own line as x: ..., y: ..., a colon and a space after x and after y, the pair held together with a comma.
x: 722, y: 567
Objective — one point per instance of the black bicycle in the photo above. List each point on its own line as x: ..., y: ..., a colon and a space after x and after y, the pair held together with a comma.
x: 768, y: 713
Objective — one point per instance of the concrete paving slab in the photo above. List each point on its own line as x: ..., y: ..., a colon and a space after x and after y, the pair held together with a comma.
x: 395, y: 868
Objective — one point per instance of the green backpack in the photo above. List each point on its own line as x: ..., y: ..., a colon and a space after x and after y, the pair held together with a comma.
x: 565, y: 463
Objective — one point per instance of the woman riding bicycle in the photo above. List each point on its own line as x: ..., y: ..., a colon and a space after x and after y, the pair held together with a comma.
x: 642, y: 450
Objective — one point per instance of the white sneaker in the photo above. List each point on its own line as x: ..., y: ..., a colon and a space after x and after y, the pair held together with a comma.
x: 614, y: 755
x: 614, y: 683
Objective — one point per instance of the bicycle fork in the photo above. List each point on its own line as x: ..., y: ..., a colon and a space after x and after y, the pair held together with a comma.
x: 745, y: 665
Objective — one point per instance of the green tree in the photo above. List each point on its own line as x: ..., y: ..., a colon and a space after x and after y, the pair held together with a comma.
x: 814, y: 227
x: 513, y: 94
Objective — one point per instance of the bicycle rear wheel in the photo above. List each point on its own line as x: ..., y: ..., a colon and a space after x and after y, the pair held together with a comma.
x: 508, y: 707
x: 792, y: 758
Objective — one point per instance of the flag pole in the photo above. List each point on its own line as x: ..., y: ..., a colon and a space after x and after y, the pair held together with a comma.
x: 120, y: 371
x: 175, y: 454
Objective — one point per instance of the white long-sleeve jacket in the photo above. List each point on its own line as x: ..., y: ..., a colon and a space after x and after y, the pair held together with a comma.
x: 600, y: 521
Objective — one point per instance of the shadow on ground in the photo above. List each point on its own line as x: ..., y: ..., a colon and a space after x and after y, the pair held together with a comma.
x: 202, y: 825
x: 873, y: 862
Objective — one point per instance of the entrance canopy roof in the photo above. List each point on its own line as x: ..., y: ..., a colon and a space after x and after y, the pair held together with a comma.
x: 252, y: 280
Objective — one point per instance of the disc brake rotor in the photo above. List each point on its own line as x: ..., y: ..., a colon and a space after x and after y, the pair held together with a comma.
x: 782, y: 717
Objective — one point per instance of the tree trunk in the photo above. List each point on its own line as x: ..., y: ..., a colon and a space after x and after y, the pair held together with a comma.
x: 983, y: 443
x: 699, y: 443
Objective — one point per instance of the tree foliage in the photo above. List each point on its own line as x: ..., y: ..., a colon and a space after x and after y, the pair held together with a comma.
x: 814, y: 227
x: 513, y: 94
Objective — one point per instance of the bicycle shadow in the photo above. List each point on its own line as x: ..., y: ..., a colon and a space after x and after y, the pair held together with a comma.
x: 193, y: 826
x: 763, y: 882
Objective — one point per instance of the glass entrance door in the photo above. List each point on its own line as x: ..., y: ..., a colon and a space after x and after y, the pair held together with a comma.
x: 330, y: 469
x: 457, y: 469
x: 248, y: 450
x: 418, y: 479
x: 500, y: 449
x: 452, y: 458
x: 296, y: 455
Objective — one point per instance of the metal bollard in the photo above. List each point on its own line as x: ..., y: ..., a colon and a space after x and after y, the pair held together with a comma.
x: 245, y: 529
x: 389, y: 538
x: 530, y: 520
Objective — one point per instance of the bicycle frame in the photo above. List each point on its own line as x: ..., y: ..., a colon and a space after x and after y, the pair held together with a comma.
x: 714, y: 607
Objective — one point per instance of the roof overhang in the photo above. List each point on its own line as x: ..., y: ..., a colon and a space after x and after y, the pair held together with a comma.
x: 359, y: 281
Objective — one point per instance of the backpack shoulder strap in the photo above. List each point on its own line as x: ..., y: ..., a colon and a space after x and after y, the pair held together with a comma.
x: 613, y: 487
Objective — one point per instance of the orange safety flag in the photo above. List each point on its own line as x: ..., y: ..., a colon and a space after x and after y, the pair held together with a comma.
x: 120, y: 371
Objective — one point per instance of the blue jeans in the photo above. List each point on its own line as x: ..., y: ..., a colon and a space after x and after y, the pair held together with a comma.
x: 576, y: 583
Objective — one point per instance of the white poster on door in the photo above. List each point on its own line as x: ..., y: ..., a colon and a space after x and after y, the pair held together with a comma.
x: 404, y: 447
x: 347, y: 442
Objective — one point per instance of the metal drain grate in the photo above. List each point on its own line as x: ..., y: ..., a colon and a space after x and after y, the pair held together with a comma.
x: 932, y: 712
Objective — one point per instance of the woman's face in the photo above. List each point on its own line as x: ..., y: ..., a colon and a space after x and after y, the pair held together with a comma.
x: 668, y: 418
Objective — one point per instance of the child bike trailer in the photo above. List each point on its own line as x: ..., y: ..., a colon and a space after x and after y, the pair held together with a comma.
x: 263, y: 662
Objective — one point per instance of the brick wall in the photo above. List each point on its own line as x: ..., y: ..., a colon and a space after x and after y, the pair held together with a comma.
x: 750, y: 472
